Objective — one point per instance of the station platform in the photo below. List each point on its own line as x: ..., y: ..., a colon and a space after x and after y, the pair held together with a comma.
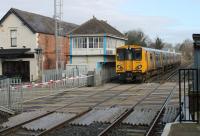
x: 182, y: 129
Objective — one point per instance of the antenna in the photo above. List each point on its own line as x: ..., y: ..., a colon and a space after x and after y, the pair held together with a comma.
x: 58, y: 15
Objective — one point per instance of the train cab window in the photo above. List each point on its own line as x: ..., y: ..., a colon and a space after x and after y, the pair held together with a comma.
x: 137, y: 54
x: 121, y: 54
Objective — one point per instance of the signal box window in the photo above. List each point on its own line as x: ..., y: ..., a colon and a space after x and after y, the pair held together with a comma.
x: 13, y: 37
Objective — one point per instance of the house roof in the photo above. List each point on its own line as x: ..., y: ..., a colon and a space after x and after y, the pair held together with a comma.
x: 95, y: 26
x: 39, y: 23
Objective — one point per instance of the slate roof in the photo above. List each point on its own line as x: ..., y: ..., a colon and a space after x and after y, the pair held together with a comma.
x: 39, y: 23
x: 95, y: 26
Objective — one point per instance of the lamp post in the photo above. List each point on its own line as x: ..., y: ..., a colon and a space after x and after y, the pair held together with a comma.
x: 38, y: 52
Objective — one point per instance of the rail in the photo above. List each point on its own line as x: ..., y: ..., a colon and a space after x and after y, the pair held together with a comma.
x: 16, y: 127
x: 126, y: 113
x: 159, y: 114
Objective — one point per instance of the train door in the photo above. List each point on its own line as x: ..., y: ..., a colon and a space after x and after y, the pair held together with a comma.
x: 151, y: 61
x: 147, y: 61
x: 157, y: 60
x: 154, y: 60
x: 128, y: 60
x: 161, y: 59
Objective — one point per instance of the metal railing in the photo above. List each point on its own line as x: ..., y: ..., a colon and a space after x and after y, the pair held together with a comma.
x: 34, y: 91
x: 70, y: 71
x: 13, y: 93
x: 11, y: 97
x: 189, y: 95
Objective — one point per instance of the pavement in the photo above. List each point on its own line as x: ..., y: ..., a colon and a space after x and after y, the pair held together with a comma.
x: 182, y: 129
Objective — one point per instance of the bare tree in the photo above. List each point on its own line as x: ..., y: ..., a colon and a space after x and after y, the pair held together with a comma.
x: 158, y: 44
x: 186, y: 49
x: 136, y: 37
x: 168, y: 46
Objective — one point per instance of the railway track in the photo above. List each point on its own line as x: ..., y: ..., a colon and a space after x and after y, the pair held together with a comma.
x: 155, y: 127
x: 122, y: 126
x: 155, y: 100
x: 18, y: 129
x: 118, y: 127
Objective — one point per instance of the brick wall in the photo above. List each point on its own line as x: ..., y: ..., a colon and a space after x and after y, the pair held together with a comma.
x: 47, y: 43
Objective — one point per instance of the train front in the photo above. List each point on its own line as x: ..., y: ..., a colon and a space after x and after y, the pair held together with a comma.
x: 129, y: 63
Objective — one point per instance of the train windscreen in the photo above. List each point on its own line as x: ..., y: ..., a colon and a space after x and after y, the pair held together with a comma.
x: 121, y: 54
x: 137, y: 54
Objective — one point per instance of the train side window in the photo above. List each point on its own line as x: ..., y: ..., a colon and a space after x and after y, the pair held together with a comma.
x: 151, y: 57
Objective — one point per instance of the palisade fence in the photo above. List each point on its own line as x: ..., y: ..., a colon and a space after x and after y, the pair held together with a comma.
x: 70, y: 71
x: 11, y: 95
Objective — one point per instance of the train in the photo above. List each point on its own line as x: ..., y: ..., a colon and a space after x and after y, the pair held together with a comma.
x: 134, y: 62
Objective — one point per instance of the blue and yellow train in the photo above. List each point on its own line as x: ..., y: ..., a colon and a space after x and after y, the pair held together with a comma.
x: 134, y: 62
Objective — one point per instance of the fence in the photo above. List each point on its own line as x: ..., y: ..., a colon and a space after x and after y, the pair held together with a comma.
x: 11, y: 97
x: 70, y: 71
x: 105, y: 74
x: 13, y: 93
x: 189, y: 95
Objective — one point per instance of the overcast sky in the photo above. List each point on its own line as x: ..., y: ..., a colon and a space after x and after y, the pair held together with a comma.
x: 172, y: 20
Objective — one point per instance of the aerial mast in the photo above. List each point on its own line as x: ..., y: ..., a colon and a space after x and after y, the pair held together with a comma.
x: 58, y: 15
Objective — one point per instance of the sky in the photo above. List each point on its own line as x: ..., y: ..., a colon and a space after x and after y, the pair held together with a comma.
x: 171, y: 20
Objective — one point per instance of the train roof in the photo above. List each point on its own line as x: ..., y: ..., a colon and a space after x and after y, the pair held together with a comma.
x: 149, y: 49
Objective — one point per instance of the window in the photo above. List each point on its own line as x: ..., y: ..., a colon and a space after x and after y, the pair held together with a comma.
x: 91, y: 42
x: 84, y: 42
x: 96, y: 42
x: 79, y: 43
x: 75, y: 43
x: 121, y: 54
x: 88, y: 42
x: 13, y: 36
x: 151, y: 57
x: 137, y: 54
x: 100, y: 42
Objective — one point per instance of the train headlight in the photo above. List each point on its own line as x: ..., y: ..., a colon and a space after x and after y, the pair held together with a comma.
x: 139, y: 67
x: 119, y: 67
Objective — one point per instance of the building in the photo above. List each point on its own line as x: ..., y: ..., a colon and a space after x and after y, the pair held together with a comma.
x: 22, y: 36
x: 94, y: 43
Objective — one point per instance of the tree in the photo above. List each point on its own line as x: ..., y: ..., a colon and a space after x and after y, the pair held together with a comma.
x: 158, y: 44
x: 136, y: 37
x: 168, y: 47
x: 186, y: 49
x: 177, y: 47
